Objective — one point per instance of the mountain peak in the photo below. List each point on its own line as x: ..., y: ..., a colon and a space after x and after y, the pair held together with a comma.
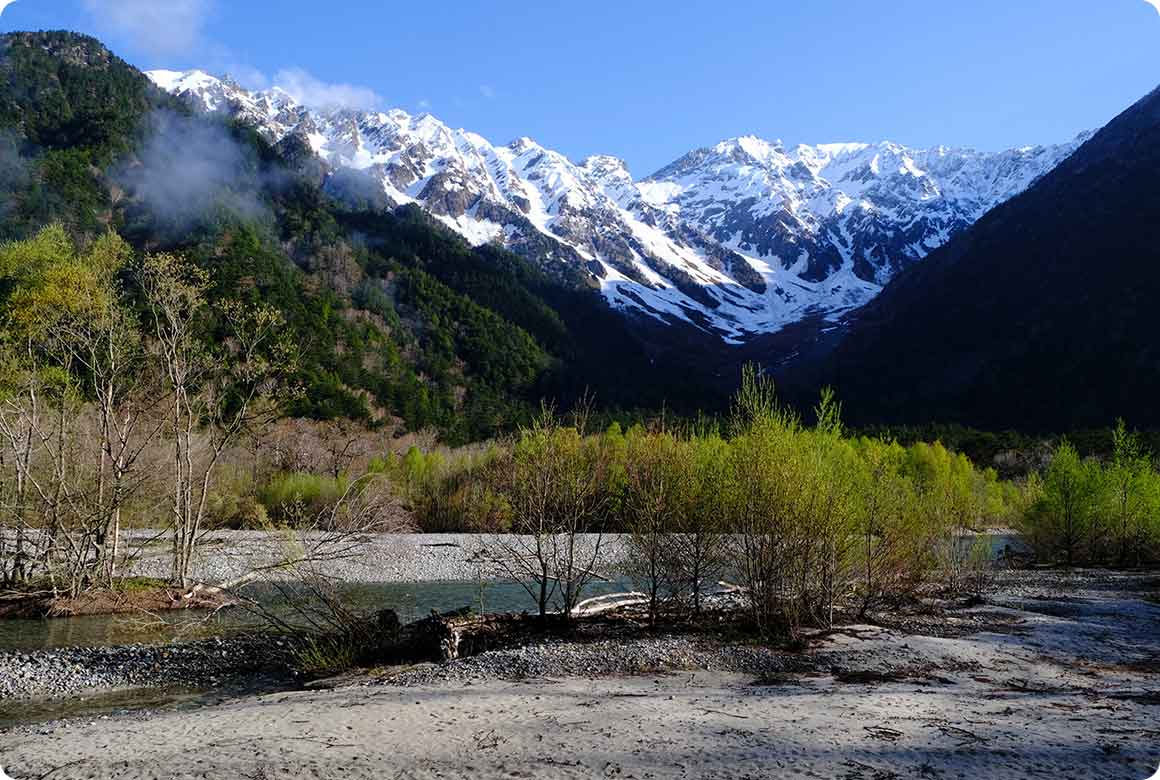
x: 603, y: 165
x: 525, y: 144
x: 737, y: 239
x: 749, y: 149
x: 178, y: 80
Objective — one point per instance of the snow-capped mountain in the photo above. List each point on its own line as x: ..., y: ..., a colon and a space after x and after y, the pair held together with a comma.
x: 739, y: 239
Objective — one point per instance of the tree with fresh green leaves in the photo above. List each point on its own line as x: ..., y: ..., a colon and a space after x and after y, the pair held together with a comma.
x: 701, y: 539
x: 73, y: 356
x: 1073, y: 489
x: 1131, y: 480
x: 656, y: 496
x: 555, y: 485
x: 894, y: 542
x: 765, y: 470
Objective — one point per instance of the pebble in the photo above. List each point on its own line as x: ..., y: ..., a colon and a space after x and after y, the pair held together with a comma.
x: 68, y: 672
x: 382, y: 558
x: 609, y: 657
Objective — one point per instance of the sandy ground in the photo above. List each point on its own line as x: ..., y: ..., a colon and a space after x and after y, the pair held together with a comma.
x: 1065, y: 686
x: 686, y: 726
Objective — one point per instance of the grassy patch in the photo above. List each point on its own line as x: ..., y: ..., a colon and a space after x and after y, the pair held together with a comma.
x: 322, y: 656
x: 133, y: 586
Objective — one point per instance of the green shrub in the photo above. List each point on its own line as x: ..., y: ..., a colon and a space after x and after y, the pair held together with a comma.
x: 325, y: 655
x: 290, y: 496
x: 233, y: 505
x: 1086, y: 511
x: 449, y: 492
x: 139, y: 585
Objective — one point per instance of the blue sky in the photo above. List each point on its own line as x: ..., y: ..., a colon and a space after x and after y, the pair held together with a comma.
x: 648, y: 80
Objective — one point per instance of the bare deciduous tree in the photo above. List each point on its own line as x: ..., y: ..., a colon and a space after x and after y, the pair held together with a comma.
x: 553, y: 487
x: 212, y: 398
x: 71, y: 407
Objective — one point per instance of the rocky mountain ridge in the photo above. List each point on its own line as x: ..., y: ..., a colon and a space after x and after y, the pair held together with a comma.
x: 739, y: 239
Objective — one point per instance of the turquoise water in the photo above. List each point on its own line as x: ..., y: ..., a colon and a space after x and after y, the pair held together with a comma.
x: 410, y: 600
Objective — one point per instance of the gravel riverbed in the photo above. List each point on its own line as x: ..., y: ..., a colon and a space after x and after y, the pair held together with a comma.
x: 67, y: 672
x: 603, y: 658
x: 61, y: 673
x: 224, y: 556
x: 381, y: 558
x: 1054, y: 676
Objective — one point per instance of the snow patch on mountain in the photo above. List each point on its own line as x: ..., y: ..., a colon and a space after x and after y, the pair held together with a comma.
x: 738, y: 239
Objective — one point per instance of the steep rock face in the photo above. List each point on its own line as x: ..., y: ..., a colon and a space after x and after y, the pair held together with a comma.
x: 740, y: 239
x: 817, y: 210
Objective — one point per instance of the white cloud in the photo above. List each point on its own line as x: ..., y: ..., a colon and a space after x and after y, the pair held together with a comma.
x: 173, y: 27
x: 157, y: 26
x: 248, y: 76
x: 425, y: 104
x: 308, y: 90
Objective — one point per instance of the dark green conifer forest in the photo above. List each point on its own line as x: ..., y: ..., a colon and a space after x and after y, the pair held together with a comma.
x: 395, y: 318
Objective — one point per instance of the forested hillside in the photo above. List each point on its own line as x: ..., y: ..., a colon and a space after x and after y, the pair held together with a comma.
x: 394, y: 317
x: 1036, y: 319
x: 1041, y: 317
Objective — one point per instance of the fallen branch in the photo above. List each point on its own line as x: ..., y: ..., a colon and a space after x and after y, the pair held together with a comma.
x: 54, y: 770
x: 883, y: 732
x: 726, y: 714
x: 225, y: 587
x: 597, y: 605
x: 965, y: 737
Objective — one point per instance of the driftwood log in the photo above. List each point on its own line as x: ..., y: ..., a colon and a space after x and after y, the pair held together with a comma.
x: 463, y: 633
x: 451, y: 635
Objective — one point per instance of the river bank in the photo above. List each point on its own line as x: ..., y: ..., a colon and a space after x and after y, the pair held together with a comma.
x: 134, y: 596
x: 706, y: 725
x: 1054, y: 676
